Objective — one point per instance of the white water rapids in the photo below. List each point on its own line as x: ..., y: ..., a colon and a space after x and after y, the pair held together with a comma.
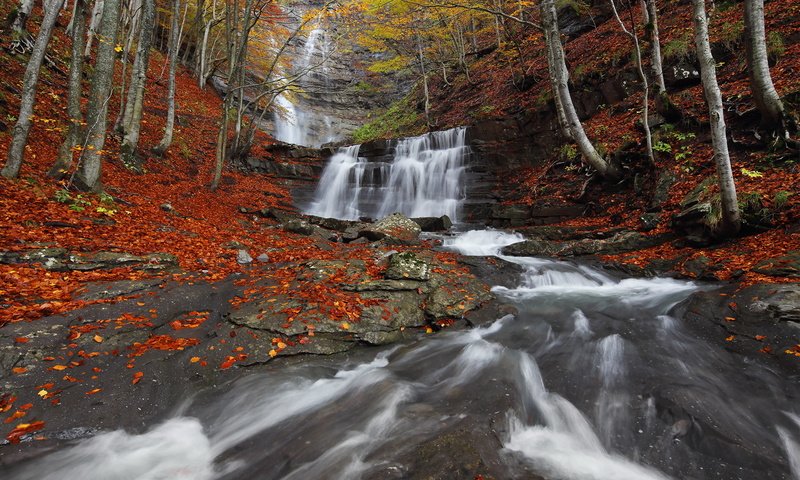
x: 592, y: 379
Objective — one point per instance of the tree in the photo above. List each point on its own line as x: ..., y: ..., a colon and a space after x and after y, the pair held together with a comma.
x: 174, y: 46
x: 560, y: 76
x: 729, y: 206
x: 89, y: 172
x: 773, y: 116
x: 642, y: 77
x: 16, y: 150
x: 18, y: 18
x: 64, y: 160
x: 132, y: 115
x: 650, y: 10
x: 97, y: 15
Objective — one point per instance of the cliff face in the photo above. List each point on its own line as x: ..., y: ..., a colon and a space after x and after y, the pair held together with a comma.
x: 334, y: 93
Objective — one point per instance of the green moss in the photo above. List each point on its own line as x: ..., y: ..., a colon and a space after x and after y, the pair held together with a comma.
x: 400, y: 119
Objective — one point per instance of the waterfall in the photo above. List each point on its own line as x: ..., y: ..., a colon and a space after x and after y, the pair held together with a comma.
x: 425, y: 178
x: 293, y: 124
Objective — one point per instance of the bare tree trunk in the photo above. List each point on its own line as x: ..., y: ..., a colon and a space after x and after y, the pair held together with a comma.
x: 64, y: 160
x: 89, y: 172
x: 132, y: 117
x: 23, y: 126
x: 731, y: 220
x: 654, y: 38
x: 645, y: 84
x: 97, y: 16
x: 765, y: 96
x: 424, y: 82
x: 561, y: 77
x: 166, y: 141
x: 21, y: 15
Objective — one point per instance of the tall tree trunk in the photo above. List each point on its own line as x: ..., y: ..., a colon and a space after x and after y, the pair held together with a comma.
x: 645, y: 84
x: 21, y: 15
x: 65, y: 153
x: 764, y: 94
x: 551, y: 72
x: 97, y: 17
x: 731, y: 220
x: 132, y: 117
x: 174, y: 46
x: 561, y: 77
x: 655, y: 44
x: 23, y: 126
x: 89, y: 172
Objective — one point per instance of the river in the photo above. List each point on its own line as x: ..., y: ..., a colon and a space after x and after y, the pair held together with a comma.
x: 591, y: 378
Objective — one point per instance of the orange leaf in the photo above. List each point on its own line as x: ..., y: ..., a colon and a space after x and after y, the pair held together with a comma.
x: 760, y: 337
x: 22, y: 340
x: 98, y: 339
x: 194, y: 359
x: 19, y: 369
x: 273, y: 353
x: 93, y: 391
x: 59, y: 367
x: 137, y: 377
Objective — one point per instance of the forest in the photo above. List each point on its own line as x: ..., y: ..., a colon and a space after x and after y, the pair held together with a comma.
x: 472, y: 239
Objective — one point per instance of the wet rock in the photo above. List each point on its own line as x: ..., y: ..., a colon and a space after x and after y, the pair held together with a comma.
x: 702, y: 268
x: 167, y: 207
x: 681, y: 75
x: 407, y: 265
x: 661, y: 191
x: 243, y: 258
x: 263, y: 258
x: 533, y: 247
x: 649, y: 221
x: 434, y: 224
x: 697, y: 220
x: 107, y: 290
x: 758, y: 316
x: 784, y: 266
x: 301, y: 227
x: 625, y: 241
x: 452, y: 296
x: 395, y: 226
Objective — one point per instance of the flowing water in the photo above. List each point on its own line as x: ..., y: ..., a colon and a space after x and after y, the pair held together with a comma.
x: 293, y: 124
x: 591, y: 379
x: 425, y: 178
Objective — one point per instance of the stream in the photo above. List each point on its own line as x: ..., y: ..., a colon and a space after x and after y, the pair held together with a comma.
x: 592, y: 378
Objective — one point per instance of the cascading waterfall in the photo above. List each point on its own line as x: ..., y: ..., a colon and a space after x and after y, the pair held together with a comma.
x: 292, y: 124
x: 424, y: 179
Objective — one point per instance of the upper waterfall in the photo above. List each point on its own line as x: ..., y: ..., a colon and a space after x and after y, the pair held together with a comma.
x: 425, y: 178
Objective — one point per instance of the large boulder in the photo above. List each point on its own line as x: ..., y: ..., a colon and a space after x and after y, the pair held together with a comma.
x: 434, y: 224
x: 698, y: 219
x: 407, y: 266
x: 396, y: 226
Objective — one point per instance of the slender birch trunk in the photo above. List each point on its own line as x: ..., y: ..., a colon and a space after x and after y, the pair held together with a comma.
x: 97, y: 17
x: 764, y: 94
x: 89, y: 173
x: 731, y: 220
x: 166, y: 141
x: 21, y: 15
x: 16, y: 150
x: 561, y: 77
x: 654, y: 38
x: 65, y: 153
x: 645, y: 84
x: 132, y: 117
